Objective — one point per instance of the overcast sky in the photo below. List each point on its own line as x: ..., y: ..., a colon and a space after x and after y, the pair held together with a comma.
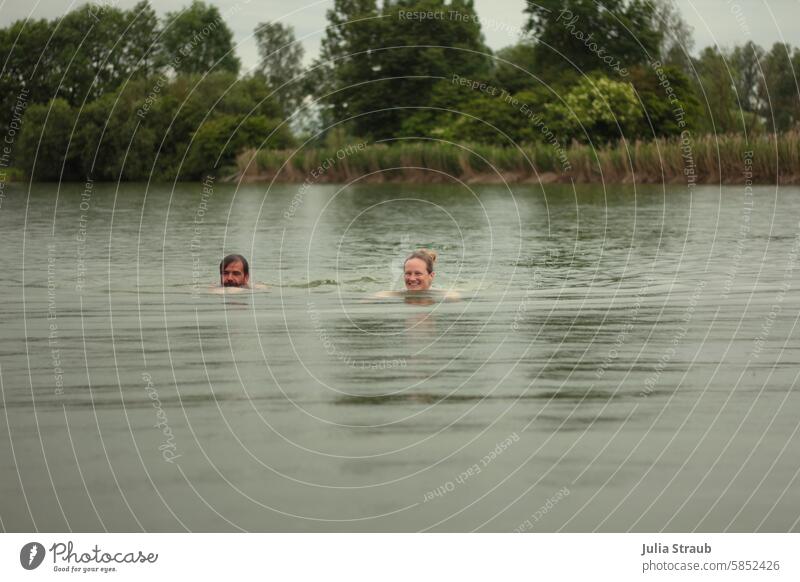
x: 723, y: 22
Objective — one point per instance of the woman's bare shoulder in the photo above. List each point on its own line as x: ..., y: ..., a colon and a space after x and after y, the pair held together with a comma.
x: 387, y: 294
x: 452, y: 295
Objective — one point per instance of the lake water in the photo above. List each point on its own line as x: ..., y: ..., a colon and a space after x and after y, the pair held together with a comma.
x: 623, y: 359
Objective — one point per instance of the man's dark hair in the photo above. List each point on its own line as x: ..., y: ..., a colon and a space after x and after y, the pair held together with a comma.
x: 232, y: 259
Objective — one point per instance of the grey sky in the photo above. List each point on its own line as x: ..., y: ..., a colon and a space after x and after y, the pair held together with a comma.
x: 723, y: 22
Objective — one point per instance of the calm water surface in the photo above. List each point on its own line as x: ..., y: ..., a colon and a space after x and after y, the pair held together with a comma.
x: 623, y: 359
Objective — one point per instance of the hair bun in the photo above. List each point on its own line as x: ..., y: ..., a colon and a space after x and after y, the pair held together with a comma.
x: 432, y: 254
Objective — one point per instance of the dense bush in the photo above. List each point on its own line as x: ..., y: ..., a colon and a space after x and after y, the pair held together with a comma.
x: 151, y: 128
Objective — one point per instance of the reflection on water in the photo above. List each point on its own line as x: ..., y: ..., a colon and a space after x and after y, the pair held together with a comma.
x: 640, y: 343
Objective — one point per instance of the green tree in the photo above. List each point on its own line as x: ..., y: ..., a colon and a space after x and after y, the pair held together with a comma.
x: 194, y: 124
x: 111, y: 142
x: 79, y: 57
x: 142, y: 45
x: 382, y: 63
x: 778, y: 89
x: 745, y: 64
x: 589, y: 35
x: 669, y: 102
x: 676, y: 37
x: 99, y: 48
x: 717, y: 92
x: 352, y: 30
x: 281, y: 62
x: 43, y: 147
x: 515, y: 67
x: 596, y: 109
x: 196, y: 40
x: 217, y: 141
x: 29, y: 64
x: 91, y: 42
x: 490, y: 116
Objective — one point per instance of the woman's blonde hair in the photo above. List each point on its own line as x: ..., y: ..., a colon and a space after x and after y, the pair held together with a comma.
x: 426, y: 255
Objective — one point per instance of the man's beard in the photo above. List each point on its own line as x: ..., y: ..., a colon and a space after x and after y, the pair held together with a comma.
x: 233, y: 284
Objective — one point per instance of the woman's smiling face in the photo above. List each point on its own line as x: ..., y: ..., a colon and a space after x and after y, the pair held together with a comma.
x: 416, y: 275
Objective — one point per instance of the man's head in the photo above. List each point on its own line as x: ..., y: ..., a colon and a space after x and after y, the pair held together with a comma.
x: 234, y: 271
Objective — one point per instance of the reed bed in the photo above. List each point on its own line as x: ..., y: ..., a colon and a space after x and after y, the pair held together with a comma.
x: 730, y: 159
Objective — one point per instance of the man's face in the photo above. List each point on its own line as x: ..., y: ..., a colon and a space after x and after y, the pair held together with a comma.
x: 233, y: 275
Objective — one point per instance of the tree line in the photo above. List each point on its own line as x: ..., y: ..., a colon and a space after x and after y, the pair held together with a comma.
x: 124, y: 94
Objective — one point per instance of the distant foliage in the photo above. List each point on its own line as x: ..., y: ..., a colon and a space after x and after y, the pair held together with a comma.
x: 572, y: 34
x: 118, y: 94
x: 281, y: 63
x: 123, y: 94
x: 80, y: 56
x: 197, y: 40
x: 378, y: 64
x: 668, y: 101
x: 595, y: 110
x: 193, y: 126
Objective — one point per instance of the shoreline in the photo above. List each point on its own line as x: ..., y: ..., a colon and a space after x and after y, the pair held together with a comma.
x: 424, y: 177
x: 727, y: 159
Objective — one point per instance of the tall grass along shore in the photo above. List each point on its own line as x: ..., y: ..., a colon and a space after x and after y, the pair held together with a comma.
x: 728, y: 159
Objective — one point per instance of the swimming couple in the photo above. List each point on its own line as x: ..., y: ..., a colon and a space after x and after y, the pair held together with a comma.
x: 418, y: 274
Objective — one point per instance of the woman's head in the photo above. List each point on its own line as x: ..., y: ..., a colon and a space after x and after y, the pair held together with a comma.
x: 418, y: 270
